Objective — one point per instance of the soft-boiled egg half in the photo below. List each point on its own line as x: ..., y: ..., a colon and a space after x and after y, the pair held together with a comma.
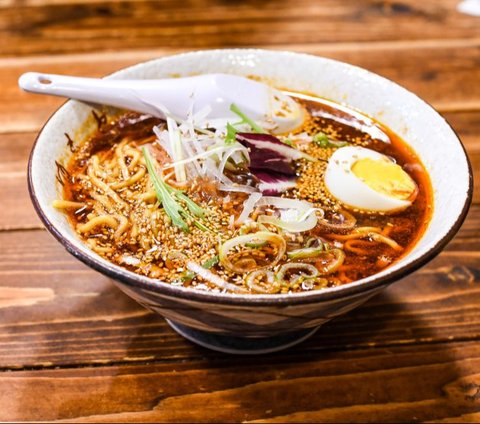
x: 363, y: 179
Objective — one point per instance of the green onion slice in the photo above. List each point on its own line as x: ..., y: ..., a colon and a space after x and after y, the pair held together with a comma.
x: 321, y: 139
x: 297, y: 270
x: 252, y: 238
x: 263, y: 282
x: 330, y: 260
x: 307, y: 252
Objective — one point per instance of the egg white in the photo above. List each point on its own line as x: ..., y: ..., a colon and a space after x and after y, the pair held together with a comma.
x: 346, y: 187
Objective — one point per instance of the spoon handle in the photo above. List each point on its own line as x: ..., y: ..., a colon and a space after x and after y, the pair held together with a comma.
x: 139, y: 95
x: 158, y: 97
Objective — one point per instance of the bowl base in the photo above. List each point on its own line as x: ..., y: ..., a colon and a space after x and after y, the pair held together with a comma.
x: 241, y: 345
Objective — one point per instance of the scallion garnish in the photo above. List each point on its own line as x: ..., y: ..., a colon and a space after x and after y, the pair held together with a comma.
x: 321, y: 139
x: 166, y: 195
x: 190, y: 275
x: 246, y: 120
x: 230, y: 138
x: 210, y: 262
x: 191, y: 205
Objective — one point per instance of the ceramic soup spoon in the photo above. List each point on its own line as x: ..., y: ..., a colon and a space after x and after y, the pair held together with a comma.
x: 177, y: 97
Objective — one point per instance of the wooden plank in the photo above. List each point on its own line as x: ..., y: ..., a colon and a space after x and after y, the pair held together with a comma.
x: 18, y: 213
x: 73, y: 347
x: 400, y: 384
x: 60, y: 27
x: 17, y: 210
x: 56, y: 311
x: 445, y: 74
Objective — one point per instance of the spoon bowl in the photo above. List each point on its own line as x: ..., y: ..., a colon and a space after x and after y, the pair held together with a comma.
x: 178, y: 97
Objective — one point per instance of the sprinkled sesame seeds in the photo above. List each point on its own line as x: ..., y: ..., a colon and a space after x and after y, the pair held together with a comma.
x: 147, y: 241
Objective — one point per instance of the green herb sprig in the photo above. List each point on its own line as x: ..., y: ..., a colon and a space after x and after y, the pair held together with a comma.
x: 321, y: 139
x: 231, y: 135
x: 232, y: 130
x: 246, y: 120
x: 167, y: 196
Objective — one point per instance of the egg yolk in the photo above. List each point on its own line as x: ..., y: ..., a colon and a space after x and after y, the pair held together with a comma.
x: 385, y: 177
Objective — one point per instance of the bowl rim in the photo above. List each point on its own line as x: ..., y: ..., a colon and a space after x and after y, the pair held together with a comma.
x: 134, y: 280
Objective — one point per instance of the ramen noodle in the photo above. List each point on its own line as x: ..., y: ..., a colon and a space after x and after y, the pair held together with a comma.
x: 237, y: 209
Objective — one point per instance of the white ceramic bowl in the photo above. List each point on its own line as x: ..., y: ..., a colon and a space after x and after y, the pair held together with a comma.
x: 263, y: 323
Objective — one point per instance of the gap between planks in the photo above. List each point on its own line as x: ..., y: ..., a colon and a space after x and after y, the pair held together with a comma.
x: 314, y: 48
x: 220, y: 358
x: 31, y: 114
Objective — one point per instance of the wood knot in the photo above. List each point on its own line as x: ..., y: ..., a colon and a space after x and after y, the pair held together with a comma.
x: 461, y: 275
x: 465, y: 390
x: 472, y: 391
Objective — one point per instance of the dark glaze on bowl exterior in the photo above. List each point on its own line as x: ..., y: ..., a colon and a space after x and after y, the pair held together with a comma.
x: 257, y: 316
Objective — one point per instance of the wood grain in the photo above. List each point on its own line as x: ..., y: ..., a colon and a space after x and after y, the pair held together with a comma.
x: 35, y: 27
x: 73, y: 347
x: 16, y: 211
x: 444, y: 74
x: 397, y: 384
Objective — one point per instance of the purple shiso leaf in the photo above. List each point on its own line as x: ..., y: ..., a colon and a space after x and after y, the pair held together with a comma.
x: 269, y: 153
x: 274, y: 183
x: 271, y: 161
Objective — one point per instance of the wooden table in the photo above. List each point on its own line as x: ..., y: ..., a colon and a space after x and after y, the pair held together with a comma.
x: 73, y: 347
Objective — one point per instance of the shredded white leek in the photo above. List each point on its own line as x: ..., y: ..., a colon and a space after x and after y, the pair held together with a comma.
x: 177, y: 150
x: 295, y: 216
x: 248, y: 206
x: 238, y: 188
x: 199, y: 117
x: 196, y: 165
x: 285, y: 203
x: 292, y: 226
x: 213, y: 278
x: 203, y: 155
x: 229, y: 153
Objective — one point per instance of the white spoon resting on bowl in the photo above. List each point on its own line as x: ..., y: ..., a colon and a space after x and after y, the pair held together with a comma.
x: 175, y: 96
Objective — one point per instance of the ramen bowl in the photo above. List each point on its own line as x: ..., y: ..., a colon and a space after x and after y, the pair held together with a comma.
x: 255, y: 323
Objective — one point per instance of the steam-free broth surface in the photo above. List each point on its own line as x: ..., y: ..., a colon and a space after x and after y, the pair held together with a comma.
x: 211, y: 217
